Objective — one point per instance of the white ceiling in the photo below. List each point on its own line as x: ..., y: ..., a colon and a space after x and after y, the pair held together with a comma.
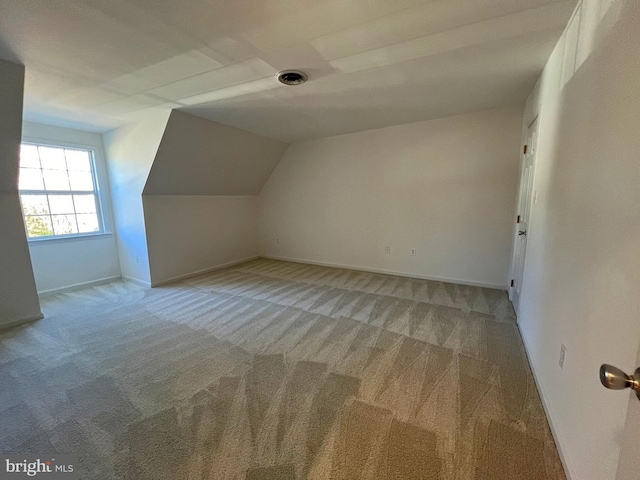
x: 98, y: 64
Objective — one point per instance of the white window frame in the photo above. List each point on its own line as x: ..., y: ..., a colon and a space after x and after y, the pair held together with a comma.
x: 102, y: 200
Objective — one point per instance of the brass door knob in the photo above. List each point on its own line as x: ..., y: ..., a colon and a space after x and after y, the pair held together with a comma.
x: 615, y: 379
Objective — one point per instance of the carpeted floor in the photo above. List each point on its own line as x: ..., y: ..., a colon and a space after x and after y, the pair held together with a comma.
x: 276, y: 370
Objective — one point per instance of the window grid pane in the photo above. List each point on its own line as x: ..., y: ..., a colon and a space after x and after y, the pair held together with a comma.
x: 35, y: 204
x: 52, y: 158
x: 77, y: 160
x: 87, y: 223
x: 31, y: 179
x: 82, y: 181
x: 64, y: 224
x: 29, y: 156
x: 61, y: 204
x: 85, y: 203
x: 38, y: 226
x: 58, y: 191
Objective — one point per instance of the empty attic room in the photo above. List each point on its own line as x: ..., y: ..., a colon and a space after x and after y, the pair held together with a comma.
x: 320, y: 239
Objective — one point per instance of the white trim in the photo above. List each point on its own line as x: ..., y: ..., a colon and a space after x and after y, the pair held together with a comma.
x: 78, y: 286
x: 142, y: 283
x: 546, y: 404
x: 389, y: 272
x: 95, y: 174
x: 49, y: 142
x: 17, y: 323
x: 66, y: 238
x: 57, y: 137
x: 203, y: 271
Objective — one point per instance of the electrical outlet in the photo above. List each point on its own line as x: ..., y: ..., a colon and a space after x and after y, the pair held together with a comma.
x: 413, y: 252
x: 137, y: 259
x: 563, y: 353
x: 387, y: 250
x: 278, y: 241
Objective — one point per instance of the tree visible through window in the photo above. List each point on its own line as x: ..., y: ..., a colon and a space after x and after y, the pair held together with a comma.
x: 58, y: 191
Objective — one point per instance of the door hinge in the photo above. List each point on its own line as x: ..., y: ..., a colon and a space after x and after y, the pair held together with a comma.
x: 518, y: 219
x: 525, y: 149
x: 513, y: 282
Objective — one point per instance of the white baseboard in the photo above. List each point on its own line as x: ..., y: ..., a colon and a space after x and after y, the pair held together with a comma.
x: 142, y: 283
x: 22, y: 321
x: 388, y: 272
x: 78, y: 286
x: 568, y: 470
x: 202, y: 272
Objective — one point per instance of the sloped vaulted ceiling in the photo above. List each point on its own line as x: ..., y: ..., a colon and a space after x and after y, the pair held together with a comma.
x: 201, y: 157
x: 101, y: 64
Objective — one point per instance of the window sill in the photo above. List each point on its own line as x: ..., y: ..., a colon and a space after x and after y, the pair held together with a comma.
x: 68, y: 238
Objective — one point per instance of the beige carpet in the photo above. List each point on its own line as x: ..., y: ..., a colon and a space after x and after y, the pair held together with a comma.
x: 275, y: 370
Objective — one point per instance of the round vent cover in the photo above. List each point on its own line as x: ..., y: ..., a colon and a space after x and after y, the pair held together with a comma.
x: 291, y: 77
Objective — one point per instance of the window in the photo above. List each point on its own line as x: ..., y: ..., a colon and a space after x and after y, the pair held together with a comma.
x: 58, y: 191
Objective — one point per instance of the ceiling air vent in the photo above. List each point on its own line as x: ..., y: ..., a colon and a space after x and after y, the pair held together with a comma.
x: 291, y: 77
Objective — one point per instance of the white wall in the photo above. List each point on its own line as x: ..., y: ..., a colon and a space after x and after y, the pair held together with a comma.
x: 18, y: 296
x: 188, y: 234
x: 61, y: 263
x: 445, y: 187
x: 130, y: 152
x: 200, y: 199
x: 200, y: 157
x: 582, y: 276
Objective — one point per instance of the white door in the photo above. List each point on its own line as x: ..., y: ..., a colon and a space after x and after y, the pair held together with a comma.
x: 524, y: 210
x: 628, y: 464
